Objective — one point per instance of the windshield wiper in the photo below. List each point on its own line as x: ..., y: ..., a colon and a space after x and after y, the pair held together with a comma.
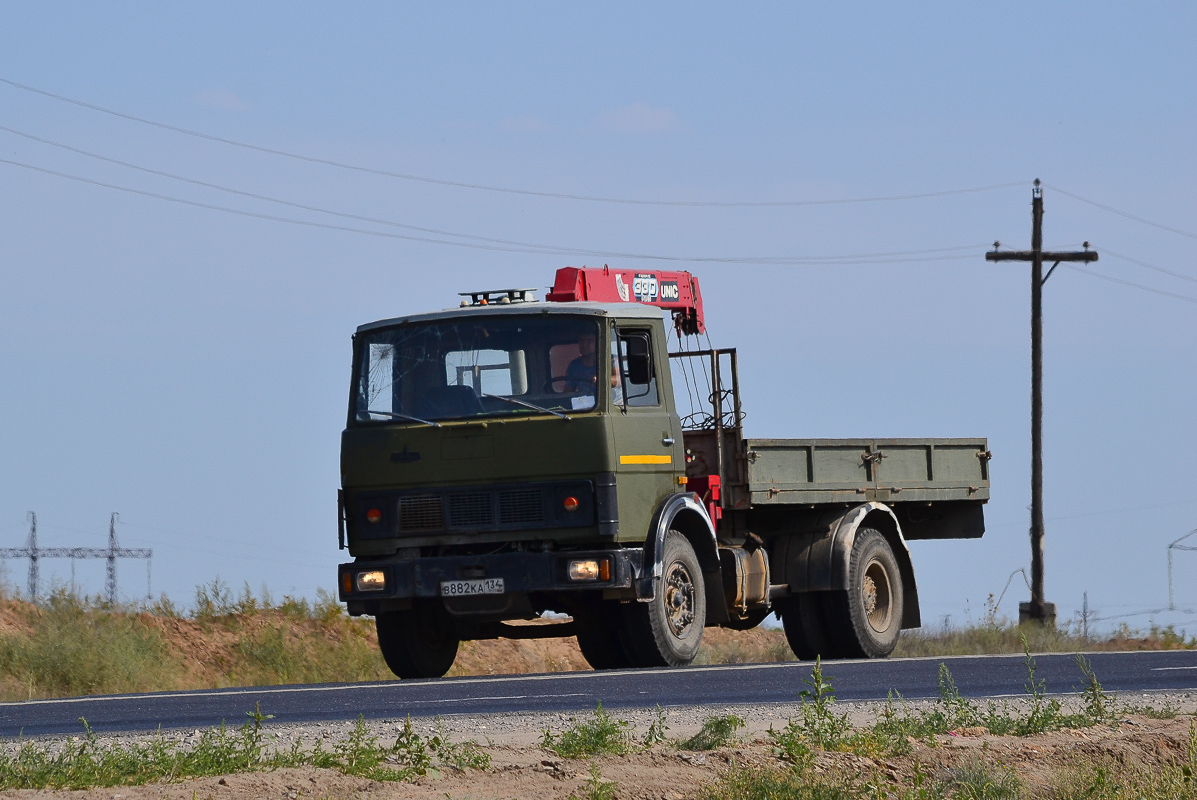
x: 532, y: 406
x: 393, y: 415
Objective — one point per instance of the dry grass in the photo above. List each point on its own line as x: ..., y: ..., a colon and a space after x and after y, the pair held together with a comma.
x: 70, y: 645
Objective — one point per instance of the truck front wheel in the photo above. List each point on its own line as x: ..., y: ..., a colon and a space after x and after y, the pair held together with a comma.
x: 667, y: 630
x: 419, y: 643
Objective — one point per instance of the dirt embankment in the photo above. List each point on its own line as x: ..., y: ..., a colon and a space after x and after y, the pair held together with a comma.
x: 1130, y: 751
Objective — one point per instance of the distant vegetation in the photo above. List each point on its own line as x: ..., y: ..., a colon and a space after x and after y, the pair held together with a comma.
x: 71, y: 645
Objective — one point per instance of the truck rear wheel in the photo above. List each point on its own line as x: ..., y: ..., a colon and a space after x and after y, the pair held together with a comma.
x: 804, y: 620
x: 419, y: 643
x: 868, y: 617
x: 667, y: 630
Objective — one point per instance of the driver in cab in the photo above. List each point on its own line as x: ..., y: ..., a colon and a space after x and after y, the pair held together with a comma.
x: 582, y: 374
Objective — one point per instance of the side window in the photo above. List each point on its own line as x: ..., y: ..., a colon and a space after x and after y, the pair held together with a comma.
x: 638, y: 370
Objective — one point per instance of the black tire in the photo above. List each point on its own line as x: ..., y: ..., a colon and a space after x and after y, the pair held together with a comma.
x: 420, y: 643
x: 667, y: 630
x: 602, y: 648
x: 867, y: 619
x: 598, y: 638
x: 803, y: 617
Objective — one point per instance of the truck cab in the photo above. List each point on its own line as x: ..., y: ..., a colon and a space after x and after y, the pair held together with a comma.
x: 501, y: 460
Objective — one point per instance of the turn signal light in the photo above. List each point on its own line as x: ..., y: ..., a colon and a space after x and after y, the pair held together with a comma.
x: 371, y: 581
x: 346, y: 582
x: 571, y: 504
x: 374, y: 516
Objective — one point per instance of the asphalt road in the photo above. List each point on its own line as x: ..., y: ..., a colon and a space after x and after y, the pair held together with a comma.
x: 757, y: 684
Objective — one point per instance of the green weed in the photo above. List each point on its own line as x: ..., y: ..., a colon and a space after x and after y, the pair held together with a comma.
x: 763, y: 783
x: 716, y: 732
x: 595, y: 788
x: 817, y: 725
x: 84, y: 763
x: 457, y: 755
x: 976, y: 780
x: 897, y: 722
x: 658, y: 729
x: 1166, y: 711
x: 1098, y: 704
x: 600, y: 735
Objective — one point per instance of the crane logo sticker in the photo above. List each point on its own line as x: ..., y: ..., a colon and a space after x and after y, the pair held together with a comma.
x: 621, y: 287
x: 670, y: 292
x: 645, y: 287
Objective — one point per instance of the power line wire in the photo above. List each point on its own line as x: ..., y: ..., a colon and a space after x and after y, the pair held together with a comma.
x: 1119, y: 212
x: 1180, y: 275
x: 1112, y: 279
x: 551, y: 249
x: 502, y: 189
x: 255, y: 196
x: 936, y: 254
x: 1107, y: 513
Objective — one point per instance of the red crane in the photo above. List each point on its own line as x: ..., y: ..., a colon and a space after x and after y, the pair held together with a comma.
x: 675, y: 291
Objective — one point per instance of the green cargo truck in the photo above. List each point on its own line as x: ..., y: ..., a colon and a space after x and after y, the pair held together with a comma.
x: 510, y: 457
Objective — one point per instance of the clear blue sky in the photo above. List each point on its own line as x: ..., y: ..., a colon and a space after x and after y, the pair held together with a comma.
x: 188, y: 368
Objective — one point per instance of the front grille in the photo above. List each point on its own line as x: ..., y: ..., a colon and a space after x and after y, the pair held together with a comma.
x: 520, y: 505
x: 470, y: 510
x: 459, y: 510
x: 421, y: 513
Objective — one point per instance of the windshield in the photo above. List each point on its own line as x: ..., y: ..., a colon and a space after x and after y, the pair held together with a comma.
x: 490, y: 366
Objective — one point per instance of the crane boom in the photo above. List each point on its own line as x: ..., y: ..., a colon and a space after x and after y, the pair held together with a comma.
x: 674, y: 291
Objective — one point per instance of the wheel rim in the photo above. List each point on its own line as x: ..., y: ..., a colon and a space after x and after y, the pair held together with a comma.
x: 877, y: 594
x: 679, y: 599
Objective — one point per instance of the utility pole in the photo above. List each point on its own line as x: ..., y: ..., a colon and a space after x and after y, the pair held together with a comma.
x: 1038, y: 609
x: 32, y: 549
x: 110, y: 582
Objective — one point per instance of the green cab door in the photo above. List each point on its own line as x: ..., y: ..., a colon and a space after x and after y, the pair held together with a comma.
x: 649, y: 455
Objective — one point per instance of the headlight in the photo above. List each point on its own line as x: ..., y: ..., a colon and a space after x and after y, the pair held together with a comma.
x: 584, y: 570
x: 374, y: 581
x: 590, y: 569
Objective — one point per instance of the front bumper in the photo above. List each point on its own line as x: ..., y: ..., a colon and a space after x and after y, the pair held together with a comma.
x: 522, y: 573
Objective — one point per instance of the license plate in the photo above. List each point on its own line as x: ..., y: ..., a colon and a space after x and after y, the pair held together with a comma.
x: 466, y: 588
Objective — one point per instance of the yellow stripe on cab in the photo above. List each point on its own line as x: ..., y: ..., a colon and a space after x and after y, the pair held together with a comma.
x: 646, y: 459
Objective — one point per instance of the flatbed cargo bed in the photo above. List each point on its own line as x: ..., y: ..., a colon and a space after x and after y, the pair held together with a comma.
x: 937, y: 488
x: 817, y: 471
